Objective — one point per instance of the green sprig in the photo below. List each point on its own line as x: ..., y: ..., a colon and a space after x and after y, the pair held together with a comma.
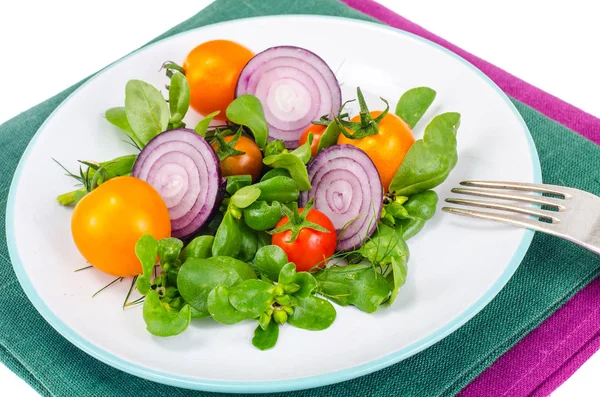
x: 367, y: 125
x: 227, y: 149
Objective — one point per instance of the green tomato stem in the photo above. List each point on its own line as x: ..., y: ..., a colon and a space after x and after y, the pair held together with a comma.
x: 227, y: 149
x: 367, y: 125
x: 297, y: 221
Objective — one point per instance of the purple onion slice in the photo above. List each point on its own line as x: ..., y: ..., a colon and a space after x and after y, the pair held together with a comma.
x: 347, y: 188
x: 295, y: 87
x: 185, y: 171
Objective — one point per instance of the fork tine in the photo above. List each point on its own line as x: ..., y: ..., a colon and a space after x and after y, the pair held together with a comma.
x: 526, y: 187
x: 527, y: 198
x: 499, y: 206
x: 514, y: 220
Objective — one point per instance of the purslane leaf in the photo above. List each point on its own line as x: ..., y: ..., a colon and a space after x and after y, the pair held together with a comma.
x: 269, y: 260
x: 413, y: 104
x: 330, y: 136
x: 179, y: 97
x: 429, y: 160
x: 303, y: 152
x: 312, y: 313
x: 293, y: 164
x: 397, y: 277
x: 203, y: 124
x: 220, y: 308
x: 197, y: 277
x: 161, y: 320
x: 252, y: 297
x: 146, y: 109
x: 358, y: 285
x: 247, y: 110
x: 266, y: 338
x: 118, y: 117
x: 421, y: 207
x: 146, y: 250
x: 245, y: 196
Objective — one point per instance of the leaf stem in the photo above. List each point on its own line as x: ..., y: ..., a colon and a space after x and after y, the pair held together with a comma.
x: 136, y: 302
x: 70, y: 197
x: 129, y: 292
x: 170, y: 65
x: 108, y: 285
x: 68, y: 173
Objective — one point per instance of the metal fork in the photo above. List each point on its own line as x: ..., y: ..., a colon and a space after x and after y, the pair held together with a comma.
x: 574, y: 217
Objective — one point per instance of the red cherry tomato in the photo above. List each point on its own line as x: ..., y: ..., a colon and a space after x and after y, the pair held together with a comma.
x: 249, y: 163
x: 317, y: 131
x: 311, y: 247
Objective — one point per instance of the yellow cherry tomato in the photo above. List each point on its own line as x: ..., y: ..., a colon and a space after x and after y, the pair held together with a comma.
x: 387, y: 148
x: 107, y: 223
x: 212, y: 70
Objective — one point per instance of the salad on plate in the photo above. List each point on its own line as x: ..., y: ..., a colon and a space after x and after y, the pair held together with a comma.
x: 276, y: 206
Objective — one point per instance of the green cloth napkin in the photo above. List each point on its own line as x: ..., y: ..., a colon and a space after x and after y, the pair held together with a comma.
x: 552, y: 271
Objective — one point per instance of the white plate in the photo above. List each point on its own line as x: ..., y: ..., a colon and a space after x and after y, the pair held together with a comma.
x: 456, y: 266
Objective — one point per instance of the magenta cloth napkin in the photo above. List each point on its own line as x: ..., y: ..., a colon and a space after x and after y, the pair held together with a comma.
x: 568, y: 115
x: 551, y: 353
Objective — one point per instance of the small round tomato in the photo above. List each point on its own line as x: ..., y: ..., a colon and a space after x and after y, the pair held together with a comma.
x: 108, y: 222
x: 311, y: 247
x: 386, y: 148
x: 317, y: 131
x: 249, y: 163
x: 212, y: 70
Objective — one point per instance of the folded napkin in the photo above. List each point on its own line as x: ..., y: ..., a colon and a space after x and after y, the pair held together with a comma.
x: 547, y: 356
x: 552, y: 271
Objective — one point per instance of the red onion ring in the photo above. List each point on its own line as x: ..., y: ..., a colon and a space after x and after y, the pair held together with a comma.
x: 347, y: 188
x: 185, y: 171
x: 295, y: 87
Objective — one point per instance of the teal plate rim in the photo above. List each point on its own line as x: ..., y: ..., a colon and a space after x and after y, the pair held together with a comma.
x: 263, y: 386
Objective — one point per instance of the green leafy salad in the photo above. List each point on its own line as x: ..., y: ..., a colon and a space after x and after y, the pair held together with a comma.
x: 276, y: 207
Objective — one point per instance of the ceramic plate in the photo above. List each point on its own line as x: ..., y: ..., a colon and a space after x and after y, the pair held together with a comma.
x: 456, y: 266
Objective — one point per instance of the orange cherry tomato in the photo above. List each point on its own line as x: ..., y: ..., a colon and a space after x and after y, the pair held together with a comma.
x: 212, y: 70
x: 107, y: 223
x: 249, y: 163
x: 317, y: 131
x: 387, y: 148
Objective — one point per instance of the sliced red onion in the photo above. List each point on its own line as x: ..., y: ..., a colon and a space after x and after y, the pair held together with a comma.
x: 295, y: 87
x: 185, y: 171
x: 347, y: 188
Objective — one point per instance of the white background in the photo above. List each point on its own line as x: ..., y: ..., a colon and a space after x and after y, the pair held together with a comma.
x: 47, y: 46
